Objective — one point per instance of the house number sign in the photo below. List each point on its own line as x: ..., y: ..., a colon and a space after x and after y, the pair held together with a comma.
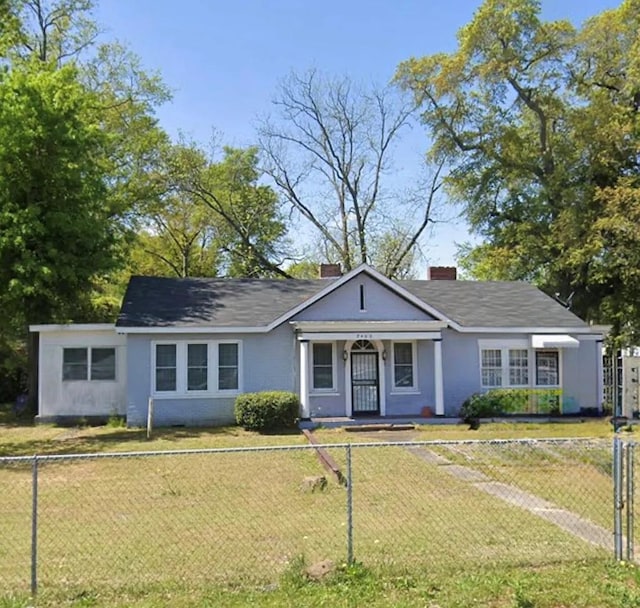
x: 364, y: 336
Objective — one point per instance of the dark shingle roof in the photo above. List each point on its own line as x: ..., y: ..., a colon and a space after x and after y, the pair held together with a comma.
x: 493, y: 303
x: 165, y: 302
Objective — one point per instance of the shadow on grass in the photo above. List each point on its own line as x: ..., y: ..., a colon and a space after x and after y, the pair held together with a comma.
x: 9, y: 418
x: 104, y: 438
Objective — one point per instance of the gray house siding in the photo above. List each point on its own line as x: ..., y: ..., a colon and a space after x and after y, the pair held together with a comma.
x: 397, y: 403
x: 381, y: 304
x: 461, y: 368
x: 267, y: 363
x: 580, y: 378
x: 411, y: 403
x: 323, y: 404
x: 461, y: 362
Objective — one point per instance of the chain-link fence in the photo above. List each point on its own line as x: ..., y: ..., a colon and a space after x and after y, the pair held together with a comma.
x: 245, y: 516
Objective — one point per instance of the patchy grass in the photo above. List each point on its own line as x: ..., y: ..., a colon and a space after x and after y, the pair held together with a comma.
x: 578, y: 585
x: 231, y: 528
x: 493, y: 430
x: 20, y: 437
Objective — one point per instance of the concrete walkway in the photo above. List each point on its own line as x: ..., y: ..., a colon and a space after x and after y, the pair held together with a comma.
x: 566, y: 520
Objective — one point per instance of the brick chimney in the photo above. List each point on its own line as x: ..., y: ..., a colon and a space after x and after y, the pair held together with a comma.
x: 330, y: 271
x: 442, y: 273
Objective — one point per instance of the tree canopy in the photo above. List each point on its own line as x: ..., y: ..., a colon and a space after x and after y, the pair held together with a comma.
x: 540, y: 123
x: 211, y: 218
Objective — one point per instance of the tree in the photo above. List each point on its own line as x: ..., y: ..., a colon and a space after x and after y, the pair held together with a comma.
x: 77, y: 137
x: 329, y: 154
x: 538, y: 121
x: 224, y: 213
x: 179, y: 239
x: 55, y: 229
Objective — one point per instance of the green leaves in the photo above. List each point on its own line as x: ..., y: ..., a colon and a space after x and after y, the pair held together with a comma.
x: 539, y: 121
x: 211, y: 217
x: 54, y: 227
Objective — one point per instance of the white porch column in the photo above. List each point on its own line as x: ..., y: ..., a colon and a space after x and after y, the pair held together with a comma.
x: 438, y: 377
x: 305, y: 411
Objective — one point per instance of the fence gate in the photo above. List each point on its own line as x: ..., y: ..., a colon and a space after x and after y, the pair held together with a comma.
x: 623, y: 498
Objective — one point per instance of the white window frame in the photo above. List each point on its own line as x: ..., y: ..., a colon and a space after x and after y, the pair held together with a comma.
x: 89, y: 350
x: 334, y: 370
x: 414, y: 363
x: 535, y: 367
x: 215, y: 367
x: 516, y: 344
x: 181, y: 391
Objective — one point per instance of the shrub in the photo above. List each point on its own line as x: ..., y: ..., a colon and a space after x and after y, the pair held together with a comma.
x: 479, y: 405
x: 267, y: 411
x: 511, y: 401
x: 494, y: 403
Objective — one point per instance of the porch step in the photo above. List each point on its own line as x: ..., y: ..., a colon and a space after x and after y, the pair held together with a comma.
x: 360, y: 428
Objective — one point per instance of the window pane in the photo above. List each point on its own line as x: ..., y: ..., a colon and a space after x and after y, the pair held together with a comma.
x: 547, y: 368
x: 403, y: 365
x: 103, y: 364
x: 322, y: 354
x: 322, y: 377
x: 197, y: 379
x: 165, y: 355
x: 491, y: 358
x: 228, y: 378
x: 74, y: 364
x: 197, y: 355
x: 165, y: 379
x: 228, y: 355
x: 518, y: 367
x: 403, y: 376
x: 197, y: 367
x: 323, y: 366
x: 403, y: 353
x: 166, y: 367
x: 491, y: 367
x: 227, y: 367
x: 491, y: 377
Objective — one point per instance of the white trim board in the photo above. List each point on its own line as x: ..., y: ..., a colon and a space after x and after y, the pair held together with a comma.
x: 72, y: 327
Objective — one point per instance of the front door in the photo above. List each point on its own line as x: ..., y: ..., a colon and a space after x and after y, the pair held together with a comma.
x: 365, y: 384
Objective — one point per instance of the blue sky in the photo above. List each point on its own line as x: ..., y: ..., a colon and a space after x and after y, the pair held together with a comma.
x: 223, y: 60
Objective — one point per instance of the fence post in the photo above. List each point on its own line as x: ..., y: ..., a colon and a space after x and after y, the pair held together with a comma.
x: 34, y: 526
x: 617, y: 497
x: 149, y: 417
x: 349, y: 507
x: 629, y: 499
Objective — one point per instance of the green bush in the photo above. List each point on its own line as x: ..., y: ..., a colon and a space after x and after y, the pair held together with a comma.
x: 267, y: 411
x: 479, y: 405
x: 500, y: 402
x: 494, y: 403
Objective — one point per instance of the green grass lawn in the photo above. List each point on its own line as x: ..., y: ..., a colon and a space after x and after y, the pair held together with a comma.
x: 586, y: 584
x: 232, y: 528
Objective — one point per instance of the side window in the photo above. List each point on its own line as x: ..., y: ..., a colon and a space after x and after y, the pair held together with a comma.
x: 165, y: 367
x: 518, y: 367
x: 75, y: 364
x: 547, y: 368
x: 103, y: 364
x: 403, y: 365
x: 491, y: 367
x: 323, y: 366
x: 197, y: 367
x: 228, y: 367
